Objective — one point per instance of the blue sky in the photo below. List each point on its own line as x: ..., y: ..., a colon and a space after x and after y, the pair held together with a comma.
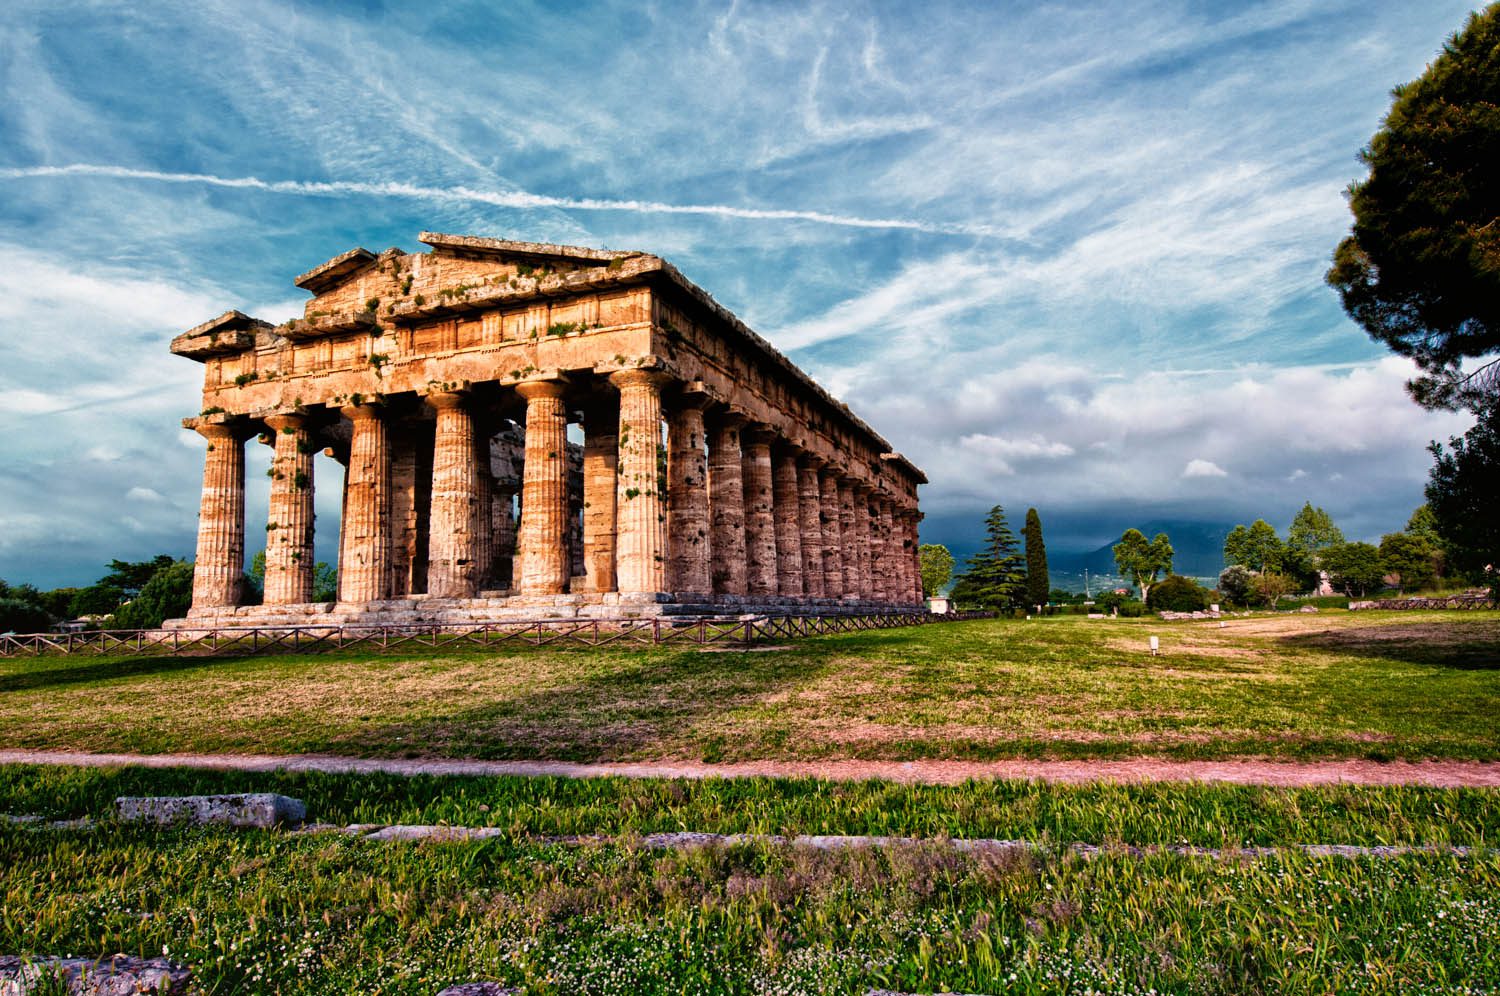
x: 1062, y: 255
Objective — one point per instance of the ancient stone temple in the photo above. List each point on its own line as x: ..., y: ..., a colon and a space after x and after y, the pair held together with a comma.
x: 708, y: 475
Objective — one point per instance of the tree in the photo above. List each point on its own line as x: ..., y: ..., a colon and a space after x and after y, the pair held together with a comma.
x: 1038, y: 583
x: 1354, y: 568
x: 1421, y: 269
x: 1142, y: 561
x: 132, y: 576
x: 1461, y: 496
x: 168, y: 595
x: 1235, y: 584
x: 937, y: 568
x: 1408, y: 558
x: 96, y: 600
x: 1256, y: 547
x: 18, y: 615
x: 1311, y: 533
x: 994, y: 575
x: 1268, y: 589
x: 1175, y: 593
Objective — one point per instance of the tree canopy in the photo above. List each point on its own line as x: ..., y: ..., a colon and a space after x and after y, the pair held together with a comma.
x: 1142, y: 560
x: 1038, y: 581
x: 1461, y: 495
x: 1421, y: 269
x: 1256, y: 547
x: 994, y: 575
x: 1354, y: 568
x: 937, y: 567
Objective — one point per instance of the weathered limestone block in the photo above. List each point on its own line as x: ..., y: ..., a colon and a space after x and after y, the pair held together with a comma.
x: 689, y: 559
x: 601, y: 426
x: 118, y: 975
x: 787, y: 512
x: 289, y: 529
x: 760, y: 523
x: 254, y: 810
x: 543, y: 553
x: 452, y: 558
x: 810, y: 526
x: 364, y: 534
x: 726, y: 498
x: 478, y: 989
x: 831, y: 520
x: 640, y: 538
x: 220, y: 563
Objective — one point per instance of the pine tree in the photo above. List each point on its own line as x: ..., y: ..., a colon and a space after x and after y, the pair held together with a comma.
x: 994, y: 575
x: 1038, y: 582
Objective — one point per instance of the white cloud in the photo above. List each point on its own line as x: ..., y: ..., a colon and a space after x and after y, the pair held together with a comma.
x: 1203, y: 468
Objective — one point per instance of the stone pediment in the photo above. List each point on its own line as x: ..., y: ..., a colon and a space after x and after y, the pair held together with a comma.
x: 231, y: 332
x: 327, y: 275
x: 505, y: 250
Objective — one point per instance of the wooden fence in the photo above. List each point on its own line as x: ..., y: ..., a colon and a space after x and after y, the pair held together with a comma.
x: 247, y: 641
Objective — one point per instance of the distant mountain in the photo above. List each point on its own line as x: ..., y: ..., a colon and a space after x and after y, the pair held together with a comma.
x: 1198, y: 551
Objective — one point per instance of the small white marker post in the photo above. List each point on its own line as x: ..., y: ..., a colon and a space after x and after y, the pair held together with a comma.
x: 1155, y: 646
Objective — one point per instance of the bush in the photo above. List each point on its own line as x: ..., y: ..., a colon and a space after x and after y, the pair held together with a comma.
x: 168, y: 595
x: 1175, y: 593
x: 17, y: 616
x: 1132, y: 610
x: 1268, y: 589
x: 1237, y: 583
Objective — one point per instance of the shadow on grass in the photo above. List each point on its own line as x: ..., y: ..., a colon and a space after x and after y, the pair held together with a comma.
x: 628, y: 709
x: 65, y: 671
x: 1460, y: 648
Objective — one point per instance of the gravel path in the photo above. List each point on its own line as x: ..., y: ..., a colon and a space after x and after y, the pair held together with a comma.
x: 1444, y: 774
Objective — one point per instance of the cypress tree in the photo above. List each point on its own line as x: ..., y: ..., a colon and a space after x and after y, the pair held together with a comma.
x: 1038, y: 582
x: 994, y: 575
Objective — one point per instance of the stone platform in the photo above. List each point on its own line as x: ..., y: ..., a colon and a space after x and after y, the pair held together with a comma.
x: 499, y: 606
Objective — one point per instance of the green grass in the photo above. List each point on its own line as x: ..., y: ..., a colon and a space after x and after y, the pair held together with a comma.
x: 259, y: 912
x: 1330, y: 685
x: 1207, y: 815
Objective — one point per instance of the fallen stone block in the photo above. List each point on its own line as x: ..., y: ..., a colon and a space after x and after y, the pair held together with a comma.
x: 256, y: 810
x: 118, y: 975
x: 438, y: 833
x: 478, y: 989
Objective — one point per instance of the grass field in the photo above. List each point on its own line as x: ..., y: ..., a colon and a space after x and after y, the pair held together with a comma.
x: 1330, y: 685
x: 276, y: 912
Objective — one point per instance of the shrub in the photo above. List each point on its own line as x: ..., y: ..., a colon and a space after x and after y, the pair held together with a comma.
x: 1175, y: 593
x: 17, y: 616
x: 1268, y: 589
x: 1237, y: 583
x: 168, y: 595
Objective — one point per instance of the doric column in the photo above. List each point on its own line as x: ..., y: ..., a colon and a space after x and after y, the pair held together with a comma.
x: 452, y: 568
x: 787, y: 511
x: 689, y: 562
x: 220, y: 562
x: 810, y: 525
x: 831, y: 521
x: 878, y: 561
x: 916, y: 555
x: 726, y: 504
x: 289, y: 527
x: 760, y: 522
x: 365, y: 530
x: 543, y: 554
x: 890, y: 548
x: 912, y: 592
x: 849, y: 539
x: 866, y: 587
x: 641, y: 549
x: 601, y: 426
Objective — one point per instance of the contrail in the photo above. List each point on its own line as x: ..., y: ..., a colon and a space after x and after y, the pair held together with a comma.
x: 501, y: 198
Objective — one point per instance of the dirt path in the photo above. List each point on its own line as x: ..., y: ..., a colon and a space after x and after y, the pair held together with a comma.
x: 1446, y: 774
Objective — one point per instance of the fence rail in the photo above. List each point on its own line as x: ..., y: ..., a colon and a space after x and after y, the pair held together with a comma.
x: 1439, y: 602
x: 247, y: 641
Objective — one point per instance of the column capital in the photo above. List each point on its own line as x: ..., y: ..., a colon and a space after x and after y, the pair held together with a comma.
x: 448, y: 399
x: 531, y: 390
x: 281, y: 421
x: 759, y: 434
x: 728, y: 417
x: 622, y: 379
x: 363, y: 411
x: 217, y: 432
x: 811, y: 461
